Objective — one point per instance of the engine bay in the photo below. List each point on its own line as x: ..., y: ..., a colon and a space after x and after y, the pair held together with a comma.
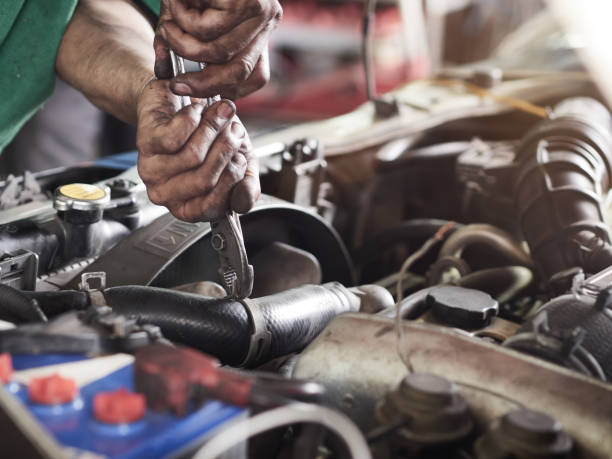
x: 431, y: 280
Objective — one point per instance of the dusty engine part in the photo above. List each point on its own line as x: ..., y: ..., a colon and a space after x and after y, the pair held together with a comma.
x: 74, y: 234
x: 573, y: 331
x: 17, y: 307
x: 240, y: 333
x: 452, y: 305
x: 486, y: 171
x: 48, y: 240
x: 461, y: 307
x: 435, y: 415
x: 169, y: 252
x: 524, y: 434
x: 15, y: 192
x: 302, y: 173
x: 19, y: 269
x: 565, y: 169
x: 373, y: 298
x: 95, y: 331
x: 204, y: 288
x: 497, y: 241
x: 503, y: 283
x: 80, y: 207
x: 281, y: 267
x: 492, y: 379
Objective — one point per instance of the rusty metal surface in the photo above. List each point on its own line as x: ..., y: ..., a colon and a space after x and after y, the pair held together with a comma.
x: 356, y: 359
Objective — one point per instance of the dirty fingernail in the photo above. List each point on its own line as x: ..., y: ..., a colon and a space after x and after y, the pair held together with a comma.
x: 226, y: 109
x: 181, y: 89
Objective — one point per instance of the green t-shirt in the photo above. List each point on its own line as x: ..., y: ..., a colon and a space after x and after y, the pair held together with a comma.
x: 30, y: 34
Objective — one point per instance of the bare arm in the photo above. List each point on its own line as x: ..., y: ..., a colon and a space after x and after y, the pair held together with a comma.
x: 107, y: 53
x: 195, y: 161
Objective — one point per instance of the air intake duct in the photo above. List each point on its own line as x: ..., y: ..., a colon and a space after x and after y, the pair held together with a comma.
x: 563, y: 175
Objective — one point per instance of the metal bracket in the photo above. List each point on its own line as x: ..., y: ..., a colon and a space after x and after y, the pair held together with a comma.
x: 259, y: 342
x: 19, y: 269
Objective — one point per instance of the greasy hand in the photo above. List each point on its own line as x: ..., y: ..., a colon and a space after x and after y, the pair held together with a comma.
x: 230, y: 35
x: 197, y: 162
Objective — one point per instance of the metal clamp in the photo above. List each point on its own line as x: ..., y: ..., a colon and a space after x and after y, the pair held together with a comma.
x: 96, y: 297
x: 261, y: 338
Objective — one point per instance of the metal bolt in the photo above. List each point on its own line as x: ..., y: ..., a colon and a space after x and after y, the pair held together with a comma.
x: 218, y: 242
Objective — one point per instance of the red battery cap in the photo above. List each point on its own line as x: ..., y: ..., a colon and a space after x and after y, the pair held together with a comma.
x: 119, y: 407
x: 52, y: 390
x: 6, y: 368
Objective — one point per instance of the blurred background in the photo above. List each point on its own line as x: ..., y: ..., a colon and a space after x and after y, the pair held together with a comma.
x: 317, y: 70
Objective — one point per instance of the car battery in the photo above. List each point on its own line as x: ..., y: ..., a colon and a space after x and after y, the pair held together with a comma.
x: 90, y: 408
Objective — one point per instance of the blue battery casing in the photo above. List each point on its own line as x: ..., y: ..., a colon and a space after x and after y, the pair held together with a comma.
x: 157, y: 435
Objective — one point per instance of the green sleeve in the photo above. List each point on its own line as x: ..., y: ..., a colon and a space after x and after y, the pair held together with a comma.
x: 153, y: 4
x: 30, y: 34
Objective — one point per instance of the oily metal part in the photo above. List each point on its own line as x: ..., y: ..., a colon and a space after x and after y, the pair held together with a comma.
x: 355, y: 357
x: 159, y: 245
x: 424, y: 105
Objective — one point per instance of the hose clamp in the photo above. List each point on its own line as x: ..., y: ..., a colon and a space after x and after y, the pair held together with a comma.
x: 96, y: 297
x: 260, y: 340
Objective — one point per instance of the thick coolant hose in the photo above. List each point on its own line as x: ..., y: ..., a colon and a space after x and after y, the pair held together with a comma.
x: 55, y: 303
x: 564, y: 173
x: 16, y: 306
x: 223, y: 327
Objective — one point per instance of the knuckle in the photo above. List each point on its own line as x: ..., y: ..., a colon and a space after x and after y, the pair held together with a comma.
x: 144, y: 173
x: 243, y: 70
x: 235, y: 172
x: 221, y: 53
x: 240, y: 160
x: 170, y: 143
x: 192, y: 155
x: 205, y: 182
x: 229, y: 145
x: 182, y: 214
x: 260, y: 79
x: 258, y: 7
x: 212, y: 125
x: 155, y: 196
x: 141, y: 144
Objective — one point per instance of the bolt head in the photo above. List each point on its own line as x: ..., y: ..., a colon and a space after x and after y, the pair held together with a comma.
x: 218, y: 242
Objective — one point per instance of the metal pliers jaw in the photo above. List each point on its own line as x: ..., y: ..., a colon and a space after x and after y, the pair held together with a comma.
x: 235, y: 270
x: 227, y: 238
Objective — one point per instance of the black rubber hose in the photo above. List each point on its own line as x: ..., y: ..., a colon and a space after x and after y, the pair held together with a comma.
x: 494, y: 239
x: 15, y: 306
x: 503, y: 283
x: 56, y: 303
x: 221, y: 327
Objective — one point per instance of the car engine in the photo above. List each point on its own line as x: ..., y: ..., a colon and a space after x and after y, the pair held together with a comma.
x: 433, y: 278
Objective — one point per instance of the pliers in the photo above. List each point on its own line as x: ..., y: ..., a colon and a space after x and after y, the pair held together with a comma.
x: 227, y: 239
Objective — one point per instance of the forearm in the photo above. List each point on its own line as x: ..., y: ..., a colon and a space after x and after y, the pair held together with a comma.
x: 107, y: 53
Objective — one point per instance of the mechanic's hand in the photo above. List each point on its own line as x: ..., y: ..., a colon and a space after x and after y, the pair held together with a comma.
x: 229, y: 35
x: 196, y: 162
